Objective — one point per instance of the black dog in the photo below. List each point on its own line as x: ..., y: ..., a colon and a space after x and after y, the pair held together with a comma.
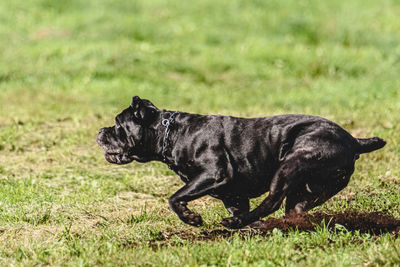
x: 304, y: 158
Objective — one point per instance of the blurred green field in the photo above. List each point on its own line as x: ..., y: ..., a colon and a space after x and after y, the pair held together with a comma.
x: 67, y: 67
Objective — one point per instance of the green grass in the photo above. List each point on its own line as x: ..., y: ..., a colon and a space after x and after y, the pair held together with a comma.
x: 67, y: 68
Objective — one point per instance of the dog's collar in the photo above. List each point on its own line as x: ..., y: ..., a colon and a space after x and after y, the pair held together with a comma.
x: 166, y: 123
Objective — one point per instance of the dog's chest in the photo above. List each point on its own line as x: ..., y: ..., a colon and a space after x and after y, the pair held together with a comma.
x: 248, y: 187
x: 186, y: 171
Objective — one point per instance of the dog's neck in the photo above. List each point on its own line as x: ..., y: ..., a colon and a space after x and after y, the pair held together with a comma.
x: 166, y: 132
x: 167, y: 123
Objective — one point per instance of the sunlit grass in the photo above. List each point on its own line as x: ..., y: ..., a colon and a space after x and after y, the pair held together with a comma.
x: 67, y: 68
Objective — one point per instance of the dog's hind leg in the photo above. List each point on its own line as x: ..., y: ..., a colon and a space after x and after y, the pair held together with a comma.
x: 298, y: 201
x: 289, y: 175
x: 292, y: 175
x: 317, y: 191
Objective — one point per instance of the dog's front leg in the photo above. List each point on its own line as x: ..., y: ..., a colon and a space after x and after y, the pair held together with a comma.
x: 196, y: 188
x: 236, y: 205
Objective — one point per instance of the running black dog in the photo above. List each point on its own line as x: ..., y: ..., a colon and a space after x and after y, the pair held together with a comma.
x: 302, y: 158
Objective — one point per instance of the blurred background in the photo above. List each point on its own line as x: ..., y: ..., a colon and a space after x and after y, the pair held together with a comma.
x: 73, y: 58
x: 68, y: 67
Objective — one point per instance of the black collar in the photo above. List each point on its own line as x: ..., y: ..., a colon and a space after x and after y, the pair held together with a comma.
x: 167, y: 123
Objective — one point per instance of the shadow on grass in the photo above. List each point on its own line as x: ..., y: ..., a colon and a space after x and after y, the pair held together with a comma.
x: 374, y: 223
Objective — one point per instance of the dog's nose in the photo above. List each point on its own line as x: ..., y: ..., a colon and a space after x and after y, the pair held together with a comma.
x: 101, y: 130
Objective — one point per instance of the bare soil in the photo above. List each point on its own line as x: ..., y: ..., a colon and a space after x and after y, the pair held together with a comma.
x: 374, y: 223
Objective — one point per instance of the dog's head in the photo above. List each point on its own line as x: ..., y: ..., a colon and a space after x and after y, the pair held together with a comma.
x: 130, y: 138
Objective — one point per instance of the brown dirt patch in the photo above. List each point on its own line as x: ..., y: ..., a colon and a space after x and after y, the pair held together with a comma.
x: 374, y: 223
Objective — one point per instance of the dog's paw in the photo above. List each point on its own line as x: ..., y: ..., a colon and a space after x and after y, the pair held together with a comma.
x: 257, y: 224
x: 232, y: 222
x: 192, y: 219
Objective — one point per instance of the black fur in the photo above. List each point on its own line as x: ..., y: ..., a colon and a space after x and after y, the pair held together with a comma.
x: 305, y: 159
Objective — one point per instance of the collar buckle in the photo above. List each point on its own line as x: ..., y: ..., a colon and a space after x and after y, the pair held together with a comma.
x: 167, y: 123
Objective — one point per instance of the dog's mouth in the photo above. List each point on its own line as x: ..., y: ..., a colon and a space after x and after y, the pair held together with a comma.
x: 118, y: 158
x: 114, y: 152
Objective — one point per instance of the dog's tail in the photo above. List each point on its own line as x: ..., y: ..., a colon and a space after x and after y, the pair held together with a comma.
x: 369, y: 144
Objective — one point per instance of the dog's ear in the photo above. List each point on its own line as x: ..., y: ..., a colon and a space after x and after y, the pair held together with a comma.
x: 141, y: 111
x: 138, y: 108
x: 136, y: 102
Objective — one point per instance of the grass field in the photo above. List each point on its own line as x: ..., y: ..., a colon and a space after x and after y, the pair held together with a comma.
x: 67, y: 68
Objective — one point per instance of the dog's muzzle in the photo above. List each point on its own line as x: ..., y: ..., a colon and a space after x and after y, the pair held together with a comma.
x: 113, y: 153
